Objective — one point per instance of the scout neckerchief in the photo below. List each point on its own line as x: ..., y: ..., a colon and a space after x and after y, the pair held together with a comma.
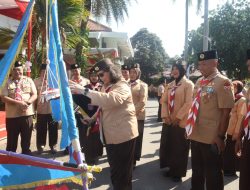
x: 94, y: 86
x: 238, y: 96
x: 18, y: 91
x: 193, y: 113
x: 246, y: 122
x: 98, y: 116
x: 78, y: 81
x: 133, y: 83
x: 172, y: 97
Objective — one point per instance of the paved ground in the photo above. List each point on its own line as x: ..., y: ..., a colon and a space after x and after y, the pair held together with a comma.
x: 147, y: 175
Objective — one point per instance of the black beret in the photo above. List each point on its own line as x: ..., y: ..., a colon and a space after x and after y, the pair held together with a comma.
x: 74, y: 66
x: 134, y: 66
x: 18, y: 64
x: 206, y: 55
x: 92, y: 71
x: 248, y: 54
x: 43, y: 66
x: 125, y: 67
x: 103, y: 65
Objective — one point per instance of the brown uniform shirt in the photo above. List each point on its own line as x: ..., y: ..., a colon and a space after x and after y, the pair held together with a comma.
x: 118, y: 118
x: 236, y: 116
x: 140, y: 96
x: 27, y: 89
x: 182, y: 101
x: 42, y: 108
x: 216, y: 95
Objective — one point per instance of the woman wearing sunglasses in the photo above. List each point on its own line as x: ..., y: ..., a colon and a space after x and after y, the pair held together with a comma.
x: 117, y: 117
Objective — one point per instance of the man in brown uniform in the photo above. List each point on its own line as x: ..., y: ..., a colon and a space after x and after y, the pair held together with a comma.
x: 76, y: 75
x: 215, y: 102
x: 245, y: 149
x: 18, y: 95
x: 44, y: 117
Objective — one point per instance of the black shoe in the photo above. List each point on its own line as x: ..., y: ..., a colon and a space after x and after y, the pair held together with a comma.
x: 230, y: 174
x: 167, y: 174
x: 40, y: 149
x: 66, y: 151
x: 53, y: 150
x: 176, y: 179
x: 28, y: 152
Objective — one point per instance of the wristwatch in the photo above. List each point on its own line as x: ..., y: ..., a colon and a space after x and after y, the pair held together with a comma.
x: 86, y: 91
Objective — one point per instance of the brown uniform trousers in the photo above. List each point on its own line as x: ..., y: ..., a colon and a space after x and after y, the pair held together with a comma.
x: 207, y: 163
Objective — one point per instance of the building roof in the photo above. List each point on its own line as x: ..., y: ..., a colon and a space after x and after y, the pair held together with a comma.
x: 94, y: 26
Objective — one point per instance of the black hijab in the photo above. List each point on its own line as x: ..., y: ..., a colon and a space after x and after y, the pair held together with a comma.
x: 181, y: 70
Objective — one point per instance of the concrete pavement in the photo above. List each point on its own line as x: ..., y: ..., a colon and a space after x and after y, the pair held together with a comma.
x: 147, y: 175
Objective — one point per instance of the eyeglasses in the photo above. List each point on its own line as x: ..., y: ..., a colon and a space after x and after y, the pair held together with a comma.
x: 101, y: 74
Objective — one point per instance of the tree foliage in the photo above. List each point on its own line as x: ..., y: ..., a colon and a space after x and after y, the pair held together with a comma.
x: 149, y: 53
x: 229, y: 34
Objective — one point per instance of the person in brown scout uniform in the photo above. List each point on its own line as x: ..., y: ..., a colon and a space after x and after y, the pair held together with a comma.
x: 88, y: 126
x: 231, y: 161
x: 213, y: 101
x: 125, y: 72
x: 45, y: 121
x: 176, y: 102
x: 76, y: 75
x: 118, y: 125
x: 140, y: 95
x: 19, y: 95
x: 243, y: 149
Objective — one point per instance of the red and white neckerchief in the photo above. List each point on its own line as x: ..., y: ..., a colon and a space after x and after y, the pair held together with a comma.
x: 192, y: 116
x: 94, y: 87
x: 18, y: 91
x: 77, y: 81
x: 133, y: 83
x: 246, y: 122
x: 171, y: 98
x: 98, y: 116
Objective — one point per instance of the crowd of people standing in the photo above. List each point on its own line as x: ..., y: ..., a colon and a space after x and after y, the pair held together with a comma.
x: 210, y: 116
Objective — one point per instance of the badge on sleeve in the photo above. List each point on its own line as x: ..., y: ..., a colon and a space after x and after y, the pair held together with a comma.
x: 227, y: 85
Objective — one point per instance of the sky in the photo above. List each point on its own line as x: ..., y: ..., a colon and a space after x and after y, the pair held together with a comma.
x: 164, y: 18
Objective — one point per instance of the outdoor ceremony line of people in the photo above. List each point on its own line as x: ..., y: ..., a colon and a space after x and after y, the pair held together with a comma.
x: 209, y: 118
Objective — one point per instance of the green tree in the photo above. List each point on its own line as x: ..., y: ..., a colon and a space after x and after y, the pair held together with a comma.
x: 229, y: 34
x: 149, y: 53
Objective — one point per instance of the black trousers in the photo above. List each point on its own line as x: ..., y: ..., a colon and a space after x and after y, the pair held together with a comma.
x: 174, y: 150
x: 19, y: 125
x: 206, y: 167
x: 230, y: 159
x: 46, y: 123
x: 159, y: 109
x: 245, y: 166
x: 139, y: 139
x: 120, y: 158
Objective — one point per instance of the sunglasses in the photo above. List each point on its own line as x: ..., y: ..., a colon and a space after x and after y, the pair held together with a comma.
x: 101, y: 74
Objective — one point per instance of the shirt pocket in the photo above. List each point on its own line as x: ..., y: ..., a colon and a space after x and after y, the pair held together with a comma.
x: 26, y: 88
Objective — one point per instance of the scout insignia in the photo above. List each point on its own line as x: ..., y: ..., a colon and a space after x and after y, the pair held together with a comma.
x: 227, y: 85
x: 96, y: 68
x: 202, y: 56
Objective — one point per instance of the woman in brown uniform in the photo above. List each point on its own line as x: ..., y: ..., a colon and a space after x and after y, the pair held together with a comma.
x: 89, y: 128
x: 176, y: 102
x: 118, y: 125
x: 231, y: 161
x: 140, y: 94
